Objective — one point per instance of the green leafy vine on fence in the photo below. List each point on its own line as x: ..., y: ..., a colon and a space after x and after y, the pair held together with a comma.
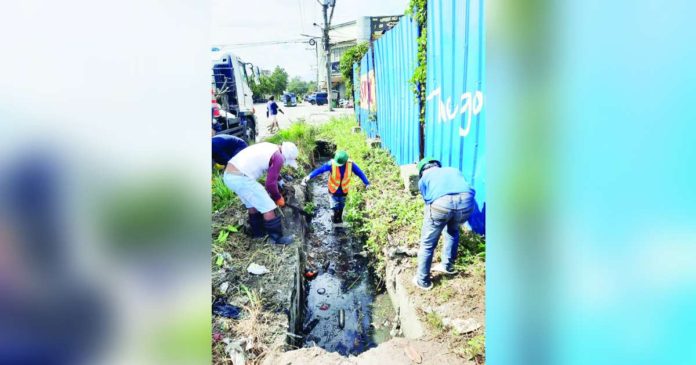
x: 417, y: 9
x: 351, y: 56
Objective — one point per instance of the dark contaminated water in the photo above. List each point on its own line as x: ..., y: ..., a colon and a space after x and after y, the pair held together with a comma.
x: 344, y: 313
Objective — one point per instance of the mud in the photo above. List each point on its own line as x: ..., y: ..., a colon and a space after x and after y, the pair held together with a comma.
x: 341, y: 314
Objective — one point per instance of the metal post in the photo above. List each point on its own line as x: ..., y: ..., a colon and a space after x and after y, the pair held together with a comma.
x: 327, y: 48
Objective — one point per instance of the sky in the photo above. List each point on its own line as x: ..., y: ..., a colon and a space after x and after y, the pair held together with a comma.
x: 248, y: 21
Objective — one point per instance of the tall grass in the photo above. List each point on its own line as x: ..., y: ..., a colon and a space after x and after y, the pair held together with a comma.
x: 304, y: 136
x: 223, y: 197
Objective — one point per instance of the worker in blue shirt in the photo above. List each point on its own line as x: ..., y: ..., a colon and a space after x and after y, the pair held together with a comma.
x: 449, y: 202
x: 341, y: 169
x: 225, y: 147
x: 272, y: 110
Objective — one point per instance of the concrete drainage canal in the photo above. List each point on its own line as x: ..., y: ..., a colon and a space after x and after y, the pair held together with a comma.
x: 343, y: 309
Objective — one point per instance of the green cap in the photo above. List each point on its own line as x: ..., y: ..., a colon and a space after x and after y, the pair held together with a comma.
x: 423, y: 162
x: 341, y: 157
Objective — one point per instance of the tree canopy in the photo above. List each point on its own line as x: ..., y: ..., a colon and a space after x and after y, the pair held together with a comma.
x: 274, y: 84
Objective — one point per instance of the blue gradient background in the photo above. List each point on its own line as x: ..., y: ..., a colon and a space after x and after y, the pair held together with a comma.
x: 592, y: 227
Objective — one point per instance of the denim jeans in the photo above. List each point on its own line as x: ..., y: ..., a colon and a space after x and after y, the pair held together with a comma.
x: 450, y: 212
x: 338, y: 202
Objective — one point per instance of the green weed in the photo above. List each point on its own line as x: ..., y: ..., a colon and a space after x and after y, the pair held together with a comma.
x: 223, y: 197
x: 476, y: 346
x: 310, y: 207
x: 435, y: 322
x: 222, y: 237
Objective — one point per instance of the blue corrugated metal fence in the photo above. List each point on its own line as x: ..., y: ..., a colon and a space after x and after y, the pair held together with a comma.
x: 454, y: 113
x: 396, y: 56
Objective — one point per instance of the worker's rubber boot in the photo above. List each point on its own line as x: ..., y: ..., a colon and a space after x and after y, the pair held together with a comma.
x: 256, y: 224
x: 274, y: 227
x: 338, y: 218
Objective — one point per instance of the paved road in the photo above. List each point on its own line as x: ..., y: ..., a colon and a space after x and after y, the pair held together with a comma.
x: 310, y: 113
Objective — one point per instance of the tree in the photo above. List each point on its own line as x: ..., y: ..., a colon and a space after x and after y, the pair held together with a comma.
x: 278, y: 81
x: 353, y: 55
x: 297, y: 86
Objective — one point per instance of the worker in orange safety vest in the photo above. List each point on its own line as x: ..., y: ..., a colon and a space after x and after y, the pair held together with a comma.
x: 342, y: 169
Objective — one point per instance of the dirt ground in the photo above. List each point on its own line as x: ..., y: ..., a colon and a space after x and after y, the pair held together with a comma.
x: 454, y: 310
x: 264, y: 299
x: 396, y: 351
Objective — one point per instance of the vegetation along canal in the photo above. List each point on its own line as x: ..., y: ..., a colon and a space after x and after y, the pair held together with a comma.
x: 344, y: 311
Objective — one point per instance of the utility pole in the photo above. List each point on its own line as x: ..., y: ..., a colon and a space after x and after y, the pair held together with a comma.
x: 327, y: 24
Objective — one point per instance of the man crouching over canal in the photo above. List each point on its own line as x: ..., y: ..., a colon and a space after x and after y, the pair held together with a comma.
x: 241, y: 174
x: 449, y: 201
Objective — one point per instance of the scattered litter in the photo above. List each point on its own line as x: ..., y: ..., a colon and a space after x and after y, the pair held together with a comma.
x: 223, y: 287
x: 235, y: 351
x: 324, y: 306
x: 310, y: 326
x: 257, y: 269
x: 413, y: 354
x: 221, y: 308
x: 321, y: 291
x: 310, y: 274
x: 249, y: 344
x: 341, y: 318
x: 217, y: 337
x: 462, y: 326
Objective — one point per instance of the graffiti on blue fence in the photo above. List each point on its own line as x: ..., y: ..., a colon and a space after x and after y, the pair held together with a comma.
x: 467, y: 104
x: 368, y: 96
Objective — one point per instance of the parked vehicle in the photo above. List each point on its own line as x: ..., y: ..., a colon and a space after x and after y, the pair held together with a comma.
x: 289, y: 99
x: 311, y: 98
x: 230, y: 83
x: 321, y: 98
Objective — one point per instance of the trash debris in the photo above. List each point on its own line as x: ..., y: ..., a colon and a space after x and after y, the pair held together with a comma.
x: 221, y: 308
x: 324, y: 306
x: 462, y: 326
x: 310, y: 274
x: 321, y: 291
x: 393, y: 252
x: 217, y: 337
x: 413, y: 354
x: 223, y: 287
x: 341, y: 318
x: 310, y: 326
x: 257, y: 269
x: 235, y: 351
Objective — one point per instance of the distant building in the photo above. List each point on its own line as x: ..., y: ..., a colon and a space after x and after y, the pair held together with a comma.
x: 344, y: 36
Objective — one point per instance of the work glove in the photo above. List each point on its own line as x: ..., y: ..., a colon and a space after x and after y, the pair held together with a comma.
x: 219, y: 167
x: 304, y: 181
x: 280, y: 202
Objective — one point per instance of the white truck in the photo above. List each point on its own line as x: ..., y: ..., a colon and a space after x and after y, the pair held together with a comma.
x: 230, y: 85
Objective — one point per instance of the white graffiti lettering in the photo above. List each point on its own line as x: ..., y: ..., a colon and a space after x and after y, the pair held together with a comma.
x: 467, y: 104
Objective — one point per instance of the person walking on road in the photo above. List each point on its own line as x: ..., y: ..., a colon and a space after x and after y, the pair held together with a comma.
x: 449, y: 202
x: 241, y: 175
x: 342, y: 168
x: 225, y: 147
x: 272, y: 110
